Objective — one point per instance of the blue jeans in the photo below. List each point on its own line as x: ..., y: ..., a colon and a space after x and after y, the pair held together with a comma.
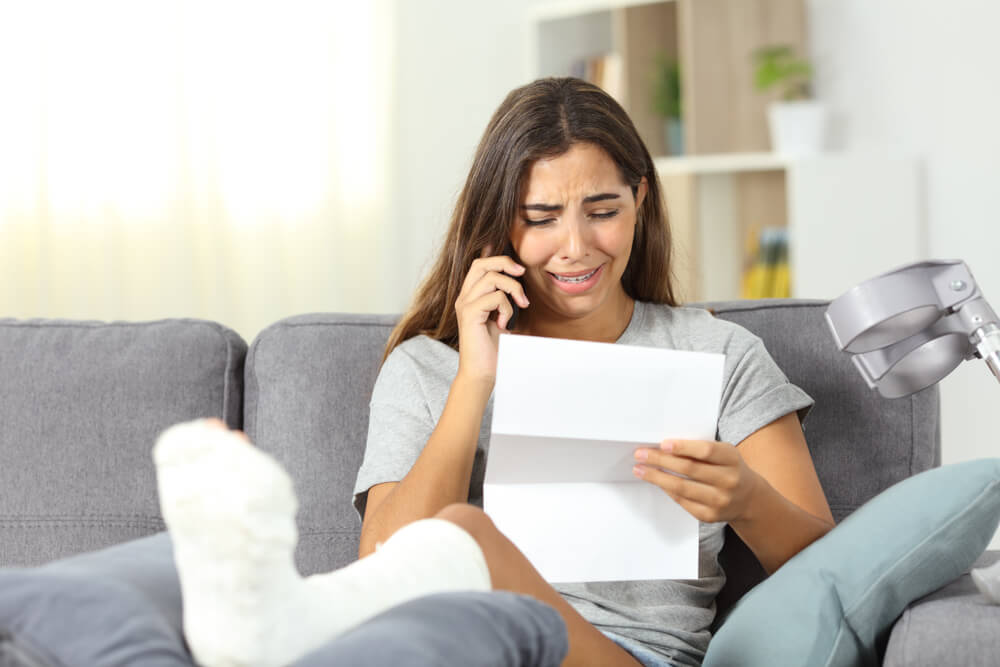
x: 646, y: 656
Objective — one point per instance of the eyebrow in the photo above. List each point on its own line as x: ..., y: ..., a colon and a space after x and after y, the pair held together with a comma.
x: 558, y: 207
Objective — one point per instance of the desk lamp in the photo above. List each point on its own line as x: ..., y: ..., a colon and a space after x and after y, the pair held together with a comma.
x: 909, y: 328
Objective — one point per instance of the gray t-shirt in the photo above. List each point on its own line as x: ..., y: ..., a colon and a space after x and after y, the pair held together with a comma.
x: 671, y: 617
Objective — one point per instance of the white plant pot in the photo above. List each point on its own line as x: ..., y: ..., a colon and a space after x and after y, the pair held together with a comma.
x: 797, y: 128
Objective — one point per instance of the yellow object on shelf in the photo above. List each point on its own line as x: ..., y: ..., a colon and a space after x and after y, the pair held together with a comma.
x: 768, y: 277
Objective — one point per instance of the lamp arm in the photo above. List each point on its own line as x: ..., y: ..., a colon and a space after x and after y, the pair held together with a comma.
x: 987, y: 342
x: 981, y: 321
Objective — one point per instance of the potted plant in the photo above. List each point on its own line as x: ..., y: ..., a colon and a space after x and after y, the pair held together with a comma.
x: 667, y: 101
x: 797, y: 122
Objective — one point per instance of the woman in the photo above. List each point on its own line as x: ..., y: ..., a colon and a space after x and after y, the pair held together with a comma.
x: 562, y: 215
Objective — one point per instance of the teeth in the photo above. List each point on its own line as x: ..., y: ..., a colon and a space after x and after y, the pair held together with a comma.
x: 578, y: 279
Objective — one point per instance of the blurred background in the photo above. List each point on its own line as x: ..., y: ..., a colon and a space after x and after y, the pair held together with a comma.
x: 247, y: 161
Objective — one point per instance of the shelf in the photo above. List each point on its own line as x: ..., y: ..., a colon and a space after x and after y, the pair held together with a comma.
x: 848, y: 215
x: 720, y: 163
x: 551, y: 11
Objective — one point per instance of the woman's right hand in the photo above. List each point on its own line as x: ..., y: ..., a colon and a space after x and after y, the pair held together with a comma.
x: 488, y: 286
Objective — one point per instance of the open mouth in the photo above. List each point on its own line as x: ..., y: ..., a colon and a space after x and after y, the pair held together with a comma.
x: 579, y: 282
x: 575, y: 279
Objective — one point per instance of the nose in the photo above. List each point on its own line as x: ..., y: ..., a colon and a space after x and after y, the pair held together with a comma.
x: 576, y: 240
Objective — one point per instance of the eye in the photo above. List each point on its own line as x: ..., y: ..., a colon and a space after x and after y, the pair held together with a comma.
x: 537, y: 223
x: 609, y: 214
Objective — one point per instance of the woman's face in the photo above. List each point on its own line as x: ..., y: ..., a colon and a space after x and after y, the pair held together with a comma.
x: 574, y: 234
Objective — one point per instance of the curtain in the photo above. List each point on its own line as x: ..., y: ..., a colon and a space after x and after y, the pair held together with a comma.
x: 213, y: 159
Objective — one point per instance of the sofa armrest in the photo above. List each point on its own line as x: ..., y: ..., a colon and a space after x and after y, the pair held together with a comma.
x: 954, y: 625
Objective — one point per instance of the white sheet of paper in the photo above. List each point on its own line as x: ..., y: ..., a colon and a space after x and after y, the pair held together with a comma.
x: 567, y: 416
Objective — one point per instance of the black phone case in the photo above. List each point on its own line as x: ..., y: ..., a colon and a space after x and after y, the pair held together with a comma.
x: 517, y: 309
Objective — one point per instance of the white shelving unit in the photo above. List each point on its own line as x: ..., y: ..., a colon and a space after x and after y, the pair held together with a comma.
x: 712, y: 42
x: 849, y: 217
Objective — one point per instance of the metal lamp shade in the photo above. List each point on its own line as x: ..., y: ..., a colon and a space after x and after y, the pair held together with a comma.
x: 906, y: 327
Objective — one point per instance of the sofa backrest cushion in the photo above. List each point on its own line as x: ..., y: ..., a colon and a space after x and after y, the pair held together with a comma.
x: 81, y: 404
x: 308, y: 380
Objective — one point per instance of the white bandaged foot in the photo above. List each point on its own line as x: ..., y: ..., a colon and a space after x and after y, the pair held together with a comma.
x: 230, y: 510
x: 988, y: 581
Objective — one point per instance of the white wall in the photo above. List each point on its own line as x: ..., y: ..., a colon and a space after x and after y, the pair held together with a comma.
x: 456, y: 60
x: 921, y: 77
x: 911, y: 75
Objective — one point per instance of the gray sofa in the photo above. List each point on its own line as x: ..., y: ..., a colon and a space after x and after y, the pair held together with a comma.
x: 82, y: 402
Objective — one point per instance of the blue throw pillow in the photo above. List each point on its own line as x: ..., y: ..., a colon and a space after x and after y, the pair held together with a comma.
x: 836, y: 601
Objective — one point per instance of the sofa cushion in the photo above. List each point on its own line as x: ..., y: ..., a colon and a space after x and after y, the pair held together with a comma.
x: 835, y: 602
x: 955, y: 625
x: 115, y: 607
x: 309, y: 379
x: 81, y: 404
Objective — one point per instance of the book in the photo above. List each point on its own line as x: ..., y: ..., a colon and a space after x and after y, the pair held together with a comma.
x: 606, y: 70
x: 768, y: 275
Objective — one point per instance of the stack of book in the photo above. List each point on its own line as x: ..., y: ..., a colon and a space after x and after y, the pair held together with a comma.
x: 605, y: 70
x: 767, y: 276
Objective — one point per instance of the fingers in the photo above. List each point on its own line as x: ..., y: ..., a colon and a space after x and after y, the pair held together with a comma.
x: 680, y: 489
x: 491, y: 284
x: 216, y: 423
x: 715, y: 466
x: 706, y: 473
x: 492, y: 281
x: 703, y: 450
x: 708, y: 479
x: 700, y: 511
x: 495, y: 300
x: 506, y: 311
x: 704, y: 502
x: 485, y: 264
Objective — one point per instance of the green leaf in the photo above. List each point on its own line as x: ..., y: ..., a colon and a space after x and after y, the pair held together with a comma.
x: 667, y: 87
x: 777, y: 66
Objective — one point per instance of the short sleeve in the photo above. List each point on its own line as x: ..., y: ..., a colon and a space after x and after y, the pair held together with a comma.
x: 756, y: 391
x: 399, y: 425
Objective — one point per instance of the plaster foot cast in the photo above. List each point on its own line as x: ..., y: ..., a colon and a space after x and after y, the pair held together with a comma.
x: 988, y: 581
x: 230, y: 509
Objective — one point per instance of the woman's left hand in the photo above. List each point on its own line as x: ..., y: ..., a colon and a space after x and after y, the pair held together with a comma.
x: 716, y: 484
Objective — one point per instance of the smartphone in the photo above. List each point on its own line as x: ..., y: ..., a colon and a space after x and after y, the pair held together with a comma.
x: 517, y: 309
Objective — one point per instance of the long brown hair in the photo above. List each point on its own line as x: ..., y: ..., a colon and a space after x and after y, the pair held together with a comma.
x: 539, y: 120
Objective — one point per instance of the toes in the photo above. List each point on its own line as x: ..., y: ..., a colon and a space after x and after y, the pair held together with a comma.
x: 190, y: 442
x: 198, y: 460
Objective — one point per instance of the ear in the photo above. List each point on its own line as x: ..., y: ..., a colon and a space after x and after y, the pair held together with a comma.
x: 640, y: 192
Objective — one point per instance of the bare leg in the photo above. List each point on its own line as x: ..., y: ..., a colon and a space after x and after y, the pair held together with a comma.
x: 511, y: 571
